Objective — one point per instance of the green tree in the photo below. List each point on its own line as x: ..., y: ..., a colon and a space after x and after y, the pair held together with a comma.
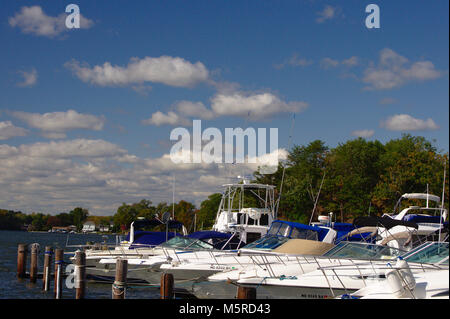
x: 79, y: 216
x: 208, y: 209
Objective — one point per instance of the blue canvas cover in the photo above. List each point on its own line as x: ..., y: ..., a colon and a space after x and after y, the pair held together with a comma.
x: 422, y: 219
x: 209, y: 234
x: 149, y: 238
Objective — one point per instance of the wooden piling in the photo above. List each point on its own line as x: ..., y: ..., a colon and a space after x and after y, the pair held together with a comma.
x: 21, y: 260
x: 166, y: 289
x: 80, y: 274
x: 119, y: 285
x: 59, y: 262
x: 34, y: 263
x: 246, y: 292
x: 46, y: 272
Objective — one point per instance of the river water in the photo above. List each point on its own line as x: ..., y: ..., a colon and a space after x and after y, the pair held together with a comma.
x: 13, y: 288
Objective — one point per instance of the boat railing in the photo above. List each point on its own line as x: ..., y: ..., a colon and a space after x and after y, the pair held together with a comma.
x: 380, y: 269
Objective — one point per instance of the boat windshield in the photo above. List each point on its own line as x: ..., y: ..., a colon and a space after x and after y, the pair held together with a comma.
x: 362, y: 251
x: 285, y: 230
x: 186, y: 243
x: 431, y: 252
x: 267, y: 242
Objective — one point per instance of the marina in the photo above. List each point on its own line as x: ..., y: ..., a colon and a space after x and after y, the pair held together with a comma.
x: 289, y: 260
x: 232, y: 159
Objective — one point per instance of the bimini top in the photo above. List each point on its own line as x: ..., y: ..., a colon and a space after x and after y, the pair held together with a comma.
x: 297, y: 230
x: 385, y: 221
x: 207, y: 234
x: 431, y: 197
x: 173, y: 224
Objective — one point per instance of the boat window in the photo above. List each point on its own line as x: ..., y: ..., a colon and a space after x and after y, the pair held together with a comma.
x: 274, y: 229
x: 186, y: 243
x: 362, y: 251
x: 431, y: 253
x: 267, y: 242
x: 304, y: 234
x: 283, y: 230
x: 264, y: 220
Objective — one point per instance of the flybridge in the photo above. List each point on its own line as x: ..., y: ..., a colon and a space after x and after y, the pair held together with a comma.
x: 211, y: 152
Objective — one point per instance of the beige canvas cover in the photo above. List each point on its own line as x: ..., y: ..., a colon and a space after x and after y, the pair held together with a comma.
x: 304, y: 247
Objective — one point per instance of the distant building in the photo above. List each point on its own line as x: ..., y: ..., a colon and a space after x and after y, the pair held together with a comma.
x: 88, y: 227
x: 66, y: 229
x: 105, y: 228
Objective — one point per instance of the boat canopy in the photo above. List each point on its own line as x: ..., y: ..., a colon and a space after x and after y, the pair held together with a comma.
x: 206, y: 234
x: 150, y: 238
x: 297, y: 230
x: 173, y: 224
x: 385, y: 221
x: 431, y: 197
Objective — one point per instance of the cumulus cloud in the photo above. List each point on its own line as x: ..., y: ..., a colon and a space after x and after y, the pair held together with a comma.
x: 29, y: 78
x: 294, y: 61
x: 256, y: 106
x: 328, y: 63
x: 9, y: 130
x: 252, y: 106
x: 172, y: 71
x: 52, y: 177
x: 171, y: 118
x: 328, y: 13
x: 33, y: 20
x: 363, y: 133
x: 194, y: 109
x: 55, y: 124
x: 405, y: 122
x: 394, y: 70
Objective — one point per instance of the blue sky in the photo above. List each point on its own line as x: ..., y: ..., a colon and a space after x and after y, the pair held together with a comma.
x: 314, y: 59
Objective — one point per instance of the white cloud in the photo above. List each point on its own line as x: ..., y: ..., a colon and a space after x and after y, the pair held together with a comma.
x: 173, y: 71
x: 405, y: 122
x: 295, y: 61
x: 363, y: 133
x: 352, y: 61
x: 394, y: 70
x: 8, y: 130
x: 327, y: 63
x: 327, y: 13
x: 72, y: 148
x: 171, y: 118
x: 252, y: 106
x: 54, y: 176
x: 255, y: 106
x: 29, y: 78
x: 195, y: 109
x: 55, y: 124
x: 33, y: 20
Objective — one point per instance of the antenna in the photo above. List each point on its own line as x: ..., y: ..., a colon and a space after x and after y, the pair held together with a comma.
x: 284, y: 166
x: 165, y: 220
x: 173, y: 197
x: 442, y: 205
x: 317, y: 198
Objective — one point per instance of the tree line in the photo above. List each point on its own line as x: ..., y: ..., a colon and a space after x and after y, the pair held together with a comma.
x: 355, y: 178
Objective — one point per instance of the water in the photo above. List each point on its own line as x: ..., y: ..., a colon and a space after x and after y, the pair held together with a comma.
x: 13, y: 288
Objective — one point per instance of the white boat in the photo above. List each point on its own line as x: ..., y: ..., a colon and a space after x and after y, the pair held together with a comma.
x: 428, y: 218
x: 426, y: 285
x: 346, y: 278
x: 283, y: 239
x: 247, y: 209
